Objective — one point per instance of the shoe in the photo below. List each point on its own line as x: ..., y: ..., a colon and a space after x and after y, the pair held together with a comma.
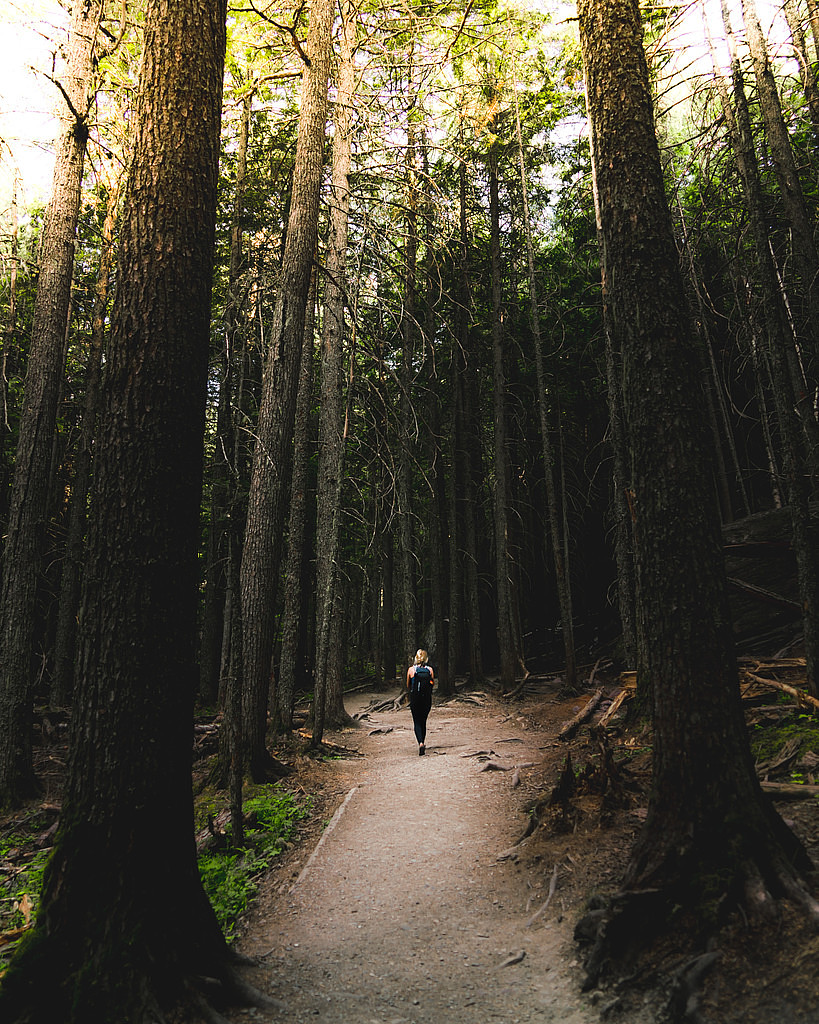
x: 421, y: 750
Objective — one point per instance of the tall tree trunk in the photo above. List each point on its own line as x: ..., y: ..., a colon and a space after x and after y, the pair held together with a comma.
x: 563, y: 584
x: 223, y: 467
x: 8, y: 362
x: 503, y: 574
x: 407, y: 425
x: 267, y: 500
x: 807, y: 72
x: 468, y: 449
x: 452, y: 619
x: 709, y: 827
x: 28, y: 513
x: 295, y: 581
x: 332, y: 426
x: 787, y: 394
x: 805, y: 255
x: 65, y: 642
x: 129, y: 777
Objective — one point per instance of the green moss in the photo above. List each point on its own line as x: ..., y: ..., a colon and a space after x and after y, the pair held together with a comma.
x: 231, y: 877
x: 768, y: 739
x: 19, y: 897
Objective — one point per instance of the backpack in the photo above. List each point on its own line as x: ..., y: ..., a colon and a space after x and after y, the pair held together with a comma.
x: 421, y: 677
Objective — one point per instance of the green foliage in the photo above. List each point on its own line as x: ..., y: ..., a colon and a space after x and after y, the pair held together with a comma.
x: 231, y: 877
x: 767, y: 740
x: 19, y: 892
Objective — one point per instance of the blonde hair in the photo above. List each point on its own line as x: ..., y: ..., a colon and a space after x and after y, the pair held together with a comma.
x: 420, y: 657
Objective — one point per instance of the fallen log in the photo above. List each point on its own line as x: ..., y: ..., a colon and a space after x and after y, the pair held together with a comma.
x: 789, y: 790
x: 613, y: 708
x: 803, y: 698
x: 570, y: 728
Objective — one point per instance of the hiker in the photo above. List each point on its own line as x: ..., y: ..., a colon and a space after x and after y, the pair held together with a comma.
x: 420, y: 680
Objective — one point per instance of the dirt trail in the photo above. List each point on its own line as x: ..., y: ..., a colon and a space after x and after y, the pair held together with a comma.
x: 403, y: 912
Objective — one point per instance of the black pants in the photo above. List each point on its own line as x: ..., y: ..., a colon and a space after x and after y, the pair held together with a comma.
x: 420, y: 703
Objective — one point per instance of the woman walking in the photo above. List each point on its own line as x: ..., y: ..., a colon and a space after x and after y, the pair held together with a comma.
x: 420, y: 680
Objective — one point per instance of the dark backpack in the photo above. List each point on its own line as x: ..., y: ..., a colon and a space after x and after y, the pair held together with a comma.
x: 421, y: 678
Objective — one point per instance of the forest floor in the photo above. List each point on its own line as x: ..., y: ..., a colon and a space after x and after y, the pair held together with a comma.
x: 411, y: 898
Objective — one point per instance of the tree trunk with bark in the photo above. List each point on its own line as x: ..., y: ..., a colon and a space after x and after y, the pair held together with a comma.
x: 65, y: 640
x: 805, y: 254
x: 562, y: 581
x: 807, y: 72
x: 332, y: 419
x: 223, y: 505
x: 503, y: 558
x: 408, y: 418
x: 295, y: 580
x: 8, y: 360
x: 130, y: 777
x: 267, y: 500
x: 788, y: 390
x: 709, y: 829
x: 30, y: 494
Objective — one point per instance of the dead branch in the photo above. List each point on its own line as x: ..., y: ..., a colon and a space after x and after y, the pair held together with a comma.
x: 552, y: 886
x: 613, y: 708
x: 789, y: 790
x: 570, y: 728
x: 804, y: 699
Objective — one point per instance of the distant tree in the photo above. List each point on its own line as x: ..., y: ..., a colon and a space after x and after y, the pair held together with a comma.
x: 125, y: 930
x: 332, y: 431
x: 269, y: 492
x: 710, y: 832
x: 30, y: 494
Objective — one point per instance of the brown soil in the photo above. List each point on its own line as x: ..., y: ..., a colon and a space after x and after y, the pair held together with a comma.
x: 417, y: 903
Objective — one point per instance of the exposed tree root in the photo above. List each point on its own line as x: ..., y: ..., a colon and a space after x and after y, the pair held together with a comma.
x: 683, y: 1003
x: 626, y: 932
x: 269, y: 769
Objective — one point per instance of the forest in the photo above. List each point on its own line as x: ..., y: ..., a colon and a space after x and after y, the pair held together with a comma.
x: 488, y: 328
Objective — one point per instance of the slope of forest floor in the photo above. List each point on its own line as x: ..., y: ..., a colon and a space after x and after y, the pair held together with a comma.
x: 414, y: 893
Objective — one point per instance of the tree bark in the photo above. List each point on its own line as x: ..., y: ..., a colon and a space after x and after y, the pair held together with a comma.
x: 223, y: 504
x: 129, y: 778
x: 805, y: 255
x: 408, y: 417
x: 30, y: 494
x: 295, y: 580
x: 807, y: 73
x: 708, y: 825
x: 267, y: 500
x: 8, y: 360
x: 503, y: 566
x: 65, y: 641
x: 332, y: 420
x: 788, y: 394
x: 562, y: 582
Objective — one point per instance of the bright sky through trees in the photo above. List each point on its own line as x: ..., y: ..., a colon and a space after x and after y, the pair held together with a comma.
x: 28, y: 34
x: 31, y: 31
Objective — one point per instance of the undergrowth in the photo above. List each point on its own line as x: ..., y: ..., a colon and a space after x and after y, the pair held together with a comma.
x: 231, y: 877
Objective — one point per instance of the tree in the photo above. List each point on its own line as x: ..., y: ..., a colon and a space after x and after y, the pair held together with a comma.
x: 332, y: 433
x: 28, y: 513
x: 126, y: 828
x: 709, y: 832
x: 267, y: 501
